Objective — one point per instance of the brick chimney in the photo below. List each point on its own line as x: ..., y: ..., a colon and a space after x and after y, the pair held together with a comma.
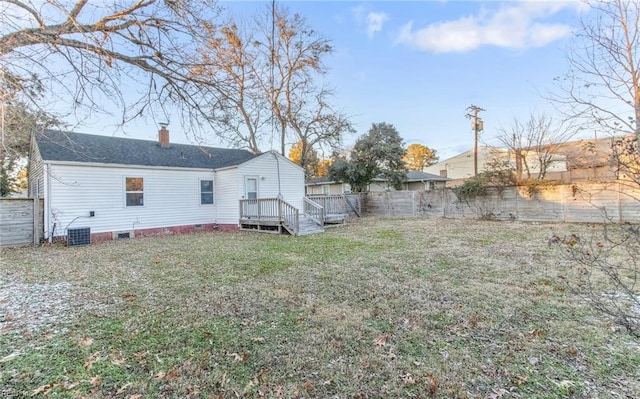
x: 163, y: 136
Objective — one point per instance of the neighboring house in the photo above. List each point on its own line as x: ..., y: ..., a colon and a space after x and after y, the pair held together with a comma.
x: 414, y: 181
x: 461, y: 166
x: 574, y: 161
x: 120, y: 187
x: 587, y: 160
x: 324, y: 186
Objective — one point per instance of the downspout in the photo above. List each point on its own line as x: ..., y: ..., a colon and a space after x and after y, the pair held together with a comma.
x: 215, y: 202
x: 278, y: 170
x: 47, y: 204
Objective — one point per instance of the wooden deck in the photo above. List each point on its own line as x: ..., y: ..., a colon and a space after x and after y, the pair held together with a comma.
x: 269, y: 215
x: 274, y: 215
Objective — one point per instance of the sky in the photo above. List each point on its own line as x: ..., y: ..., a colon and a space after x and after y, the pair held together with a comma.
x: 419, y: 65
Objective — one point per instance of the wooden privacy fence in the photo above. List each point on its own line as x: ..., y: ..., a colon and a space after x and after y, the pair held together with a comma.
x: 589, y: 202
x: 21, y: 221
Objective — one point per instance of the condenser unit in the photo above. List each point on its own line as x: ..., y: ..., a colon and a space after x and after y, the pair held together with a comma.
x: 78, y: 236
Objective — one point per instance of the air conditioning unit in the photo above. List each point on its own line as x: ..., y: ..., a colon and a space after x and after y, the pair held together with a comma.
x: 78, y: 236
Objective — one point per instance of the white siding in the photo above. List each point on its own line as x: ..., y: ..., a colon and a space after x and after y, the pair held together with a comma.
x: 266, y: 168
x: 228, y: 196
x: 171, y: 198
x: 35, y: 172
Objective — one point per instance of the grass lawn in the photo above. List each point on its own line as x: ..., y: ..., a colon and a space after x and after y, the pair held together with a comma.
x: 380, y: 308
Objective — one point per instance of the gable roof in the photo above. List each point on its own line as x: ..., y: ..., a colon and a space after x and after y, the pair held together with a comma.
x: 411, y: 176
x: 321, y: 180
x: 55, y: 145
x: 416, y: 175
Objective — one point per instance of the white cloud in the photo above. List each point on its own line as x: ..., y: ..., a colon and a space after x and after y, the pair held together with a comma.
x: 516, y: 26
x: 375, y: 20
x: 371, y: 20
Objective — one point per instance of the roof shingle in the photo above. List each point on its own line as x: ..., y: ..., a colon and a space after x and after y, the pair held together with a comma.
x: 55, y: 145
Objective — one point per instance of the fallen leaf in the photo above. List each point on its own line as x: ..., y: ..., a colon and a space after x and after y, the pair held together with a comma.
x: 116, y: 358
x: 173, y: 375
x: 136, y: 396
x: 380, y: 340
x: 91, y: 360
x: 95, y: 381
x: 67, y: 386
x: 6, y: 328
x: 43, y: 389
x: 86, y: 342
x: 123, y: 388
x: 129, y: 297
x: 431, y: 385
x: 159, y: 375
x: 498, y: 393
x: 408, y: 379
x: 535, y: 333
x: 140, y: 355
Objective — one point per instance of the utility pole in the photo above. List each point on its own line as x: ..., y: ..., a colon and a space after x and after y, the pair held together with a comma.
x: 477, y: 126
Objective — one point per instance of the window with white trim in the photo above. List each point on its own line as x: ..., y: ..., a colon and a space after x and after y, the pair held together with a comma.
x: 251, y: 187
x: 134, y: 191
x: 206, y: 192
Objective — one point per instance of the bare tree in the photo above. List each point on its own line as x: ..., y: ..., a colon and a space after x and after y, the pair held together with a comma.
x: 136, y: 55
x: 240, y: 110
x: 315, y: 124
x: 534, y: 144
x: 602, y: 87
x: 296, y: 53
x: 267, y: 78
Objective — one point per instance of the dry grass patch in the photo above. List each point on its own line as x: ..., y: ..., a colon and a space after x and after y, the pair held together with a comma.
x: 379, y: 308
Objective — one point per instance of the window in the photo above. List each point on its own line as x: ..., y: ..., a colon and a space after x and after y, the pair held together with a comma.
x: 206, y: 192
x: 251, y: 186
x: 134, y: 188
x: 326, y: 189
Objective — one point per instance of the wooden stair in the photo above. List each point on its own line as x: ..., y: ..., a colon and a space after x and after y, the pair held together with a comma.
x: 307, y: 226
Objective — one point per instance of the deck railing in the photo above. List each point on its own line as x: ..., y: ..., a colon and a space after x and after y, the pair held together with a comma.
x: 314, y: 210
x: 333, y: 204
x: 270, y: 210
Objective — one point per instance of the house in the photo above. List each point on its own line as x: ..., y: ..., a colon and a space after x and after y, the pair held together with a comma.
x: 120, y: 187
x: 462, y: 166
x: 588, y: 160
x: 570, y: 162
x: 414, y: 181
x: 324, y: 186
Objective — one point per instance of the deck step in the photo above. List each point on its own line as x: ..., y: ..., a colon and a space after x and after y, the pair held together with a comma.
x: 308, y: 226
